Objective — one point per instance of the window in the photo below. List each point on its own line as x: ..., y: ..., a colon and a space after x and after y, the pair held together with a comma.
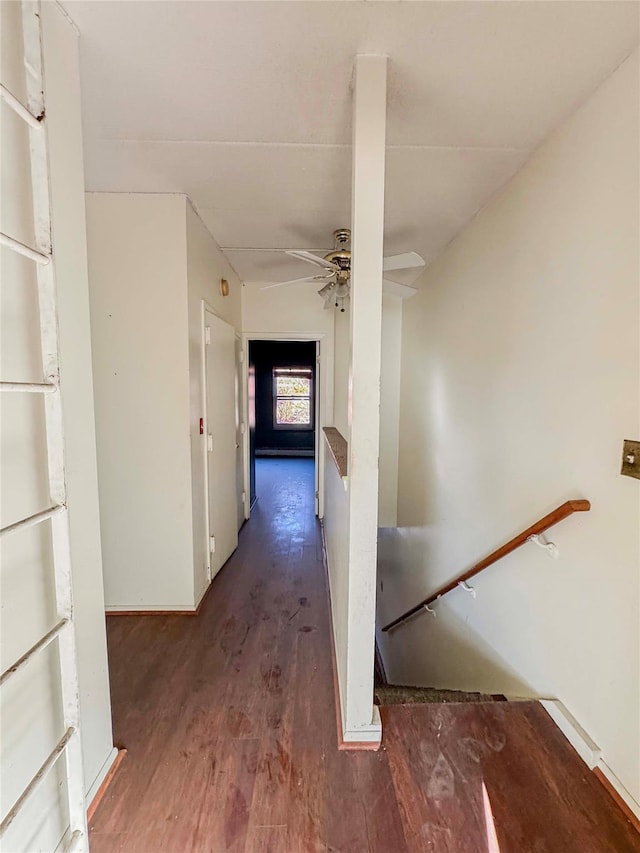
x: 292, y: 398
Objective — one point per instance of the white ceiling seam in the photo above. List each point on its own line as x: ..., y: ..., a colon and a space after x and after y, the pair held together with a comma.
x: 344, y: 145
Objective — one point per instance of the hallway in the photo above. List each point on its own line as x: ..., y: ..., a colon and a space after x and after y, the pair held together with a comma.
x: 229, y: 722
x: 229, y: 717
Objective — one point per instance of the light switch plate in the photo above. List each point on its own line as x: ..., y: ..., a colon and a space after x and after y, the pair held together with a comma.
x: 631, y: 459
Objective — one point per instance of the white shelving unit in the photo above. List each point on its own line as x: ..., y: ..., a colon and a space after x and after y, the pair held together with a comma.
x: 69, y: 747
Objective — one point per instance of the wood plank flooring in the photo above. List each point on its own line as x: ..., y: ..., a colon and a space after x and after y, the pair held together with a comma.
x: 229, y: 723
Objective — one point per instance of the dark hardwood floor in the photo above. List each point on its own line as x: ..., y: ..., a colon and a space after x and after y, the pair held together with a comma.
x: 229, y: 722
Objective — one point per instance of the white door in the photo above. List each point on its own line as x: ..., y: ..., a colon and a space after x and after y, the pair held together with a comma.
x: 221, y: 439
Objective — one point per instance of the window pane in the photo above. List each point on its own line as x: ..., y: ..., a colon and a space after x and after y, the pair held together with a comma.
x: 293, y: 386
x: 296, y: 412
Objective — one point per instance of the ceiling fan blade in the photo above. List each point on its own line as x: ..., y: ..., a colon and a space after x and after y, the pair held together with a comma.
x: 404, y: 291
x: 317, y: 278
x: 313, y: 259
x: 404, y: 261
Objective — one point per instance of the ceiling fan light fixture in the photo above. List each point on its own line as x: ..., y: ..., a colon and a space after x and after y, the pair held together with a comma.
x: 329, y: 302
x: 342, y: 290
x: 325, y: 291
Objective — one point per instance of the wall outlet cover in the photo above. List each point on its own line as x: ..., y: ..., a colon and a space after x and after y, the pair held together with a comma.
x: 631, y: 459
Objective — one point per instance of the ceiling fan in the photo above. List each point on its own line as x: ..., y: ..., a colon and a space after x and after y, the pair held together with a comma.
x: 337, y: 271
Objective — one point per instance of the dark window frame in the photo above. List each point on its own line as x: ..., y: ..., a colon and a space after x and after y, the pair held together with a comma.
x: 302, y: 373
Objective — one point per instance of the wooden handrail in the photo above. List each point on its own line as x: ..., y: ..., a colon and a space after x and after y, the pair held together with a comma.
x: 338, y: 448
x: 558, y: 514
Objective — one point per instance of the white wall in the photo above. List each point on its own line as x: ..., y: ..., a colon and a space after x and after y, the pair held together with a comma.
x: 31, y: 722
x: 139, y: 316
x: 205, y: 267
x: 519, y: 383
x: 152, y: 263
x: 342, y: 359
x: 283, y: 310
x: 336, y: 535
x: 389, y: 410
x: 389, y: 398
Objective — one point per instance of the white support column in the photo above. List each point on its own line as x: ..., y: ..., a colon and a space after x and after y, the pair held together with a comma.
x: 362, y: 722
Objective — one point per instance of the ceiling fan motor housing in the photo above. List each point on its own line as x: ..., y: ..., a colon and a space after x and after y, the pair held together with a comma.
x: 341, y: 256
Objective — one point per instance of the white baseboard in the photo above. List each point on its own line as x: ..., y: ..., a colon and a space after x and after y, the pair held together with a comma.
x: 158, y: 608
x: 615, y: 783
x: 586, y: 748
x: 149, y: 608
x: 366, y: 734
x: 102, y: 774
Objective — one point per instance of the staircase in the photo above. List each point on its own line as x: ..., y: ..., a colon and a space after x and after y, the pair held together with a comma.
x: 478, y: 751
x: 401, y: 694
x: 396, y: 694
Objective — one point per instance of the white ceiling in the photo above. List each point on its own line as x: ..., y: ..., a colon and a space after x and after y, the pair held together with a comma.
x: 246, y: 107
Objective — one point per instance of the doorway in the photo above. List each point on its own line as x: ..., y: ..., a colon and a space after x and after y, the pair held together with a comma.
x: 283, y: 405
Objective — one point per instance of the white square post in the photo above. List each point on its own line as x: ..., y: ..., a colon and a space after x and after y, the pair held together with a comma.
x: 362, y: 722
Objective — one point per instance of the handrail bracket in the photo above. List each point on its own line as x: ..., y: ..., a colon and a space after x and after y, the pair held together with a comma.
x: 531, y: 534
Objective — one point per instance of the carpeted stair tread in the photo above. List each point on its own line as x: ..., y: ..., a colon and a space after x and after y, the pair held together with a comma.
x: 396, y: 694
